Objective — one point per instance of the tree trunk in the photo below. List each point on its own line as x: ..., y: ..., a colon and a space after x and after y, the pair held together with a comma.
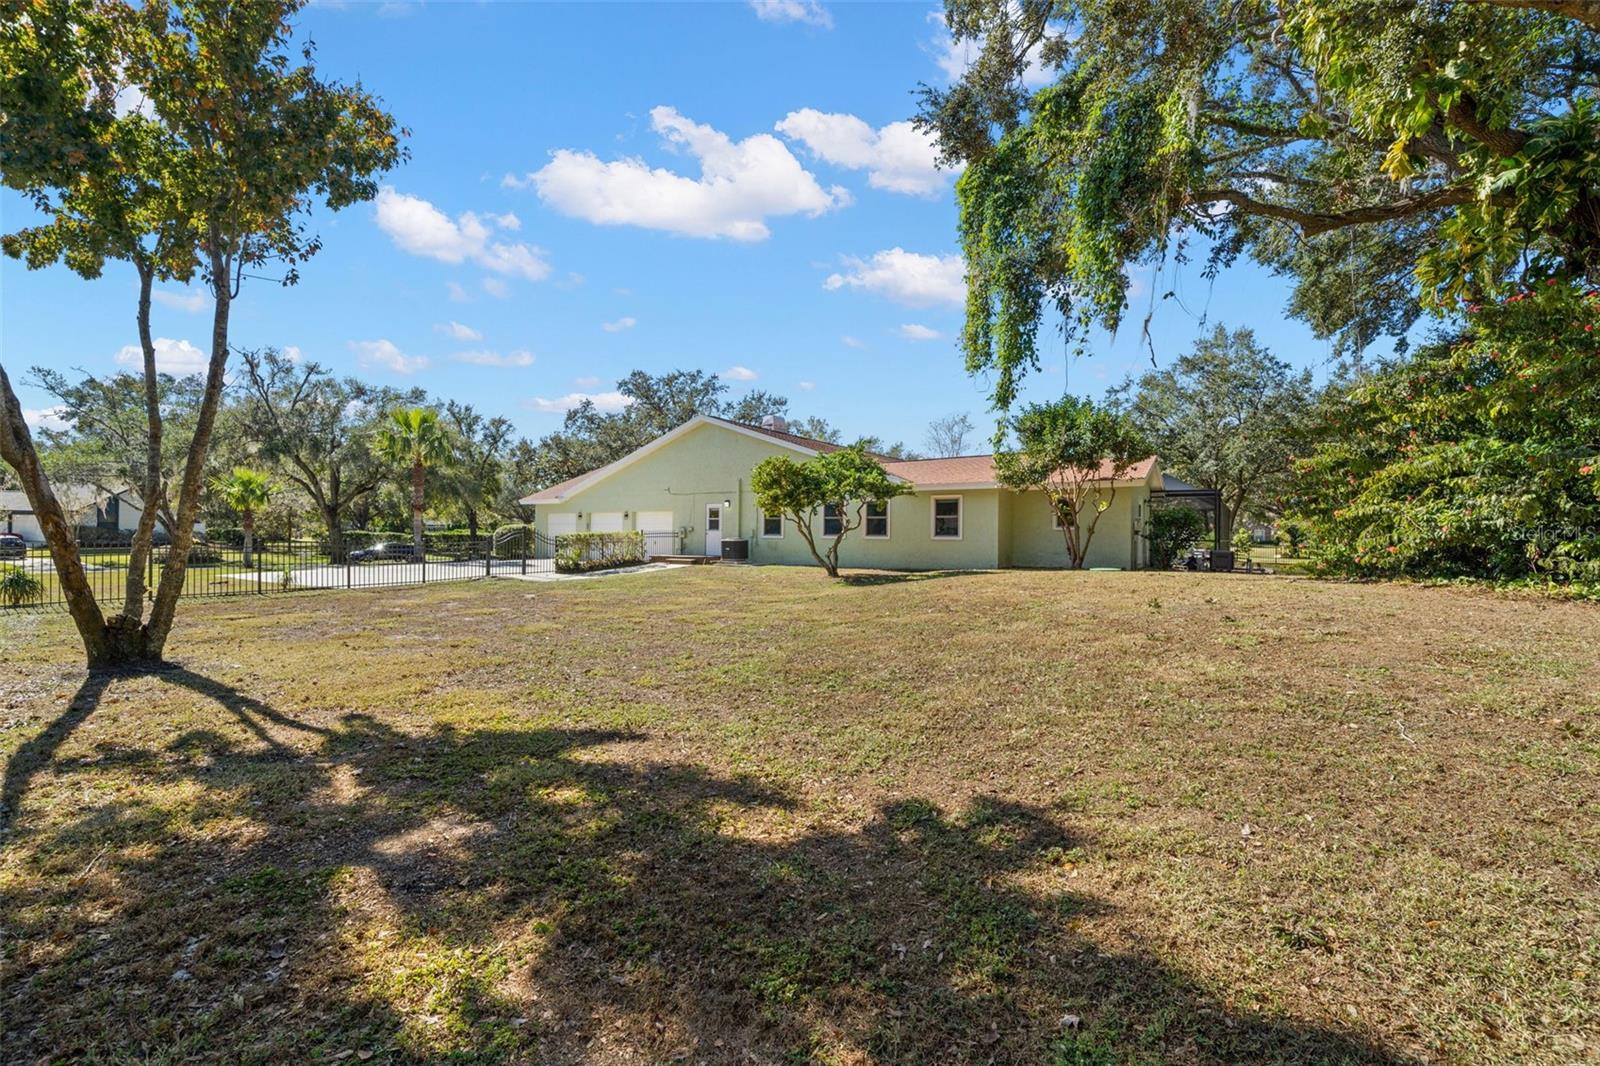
x: 247, y: 520
x: 417, y: 474
x: 16, y: 448
x: 330, y: 520
x: 172, y: 576
x: 472, y: 523
x: 150, y: 488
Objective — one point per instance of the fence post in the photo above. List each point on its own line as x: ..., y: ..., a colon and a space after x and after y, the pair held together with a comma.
x: 258, y: 572
x: 523, y: 537
x: 347, y: 565
x: 488, y: 556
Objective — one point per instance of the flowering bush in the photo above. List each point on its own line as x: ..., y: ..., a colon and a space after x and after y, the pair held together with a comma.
x: 1478, y: 457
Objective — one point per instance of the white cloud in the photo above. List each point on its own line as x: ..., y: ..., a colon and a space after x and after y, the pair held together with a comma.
x: 915, y: 331
x: 458, y: 294
x: 906, y: 277
x: 851, y: 342
x: 898, y: 157
x: 809, y: 12
x: 588, y: 381
x: 496, y: 288
x: 293, y: 353
x: 604, y: 401
x: 954, y: 57
x: 807, y: 386
x: 487, y: 358
x: 384, y: 353
x: 457, y: 331
x: 625, y: 322
x: 178, y: 358
x: 418, y: 227
x: 739, y: 373
x: 192, y: 302
x: 740, y: 184
x: 39, y: 418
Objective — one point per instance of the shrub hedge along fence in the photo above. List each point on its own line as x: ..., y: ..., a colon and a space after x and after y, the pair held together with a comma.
x: 578, y: 553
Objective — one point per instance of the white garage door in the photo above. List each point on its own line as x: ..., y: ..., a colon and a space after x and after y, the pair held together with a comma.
x: 605, y: 522
x: 659, y: 538
x: 563, y: 523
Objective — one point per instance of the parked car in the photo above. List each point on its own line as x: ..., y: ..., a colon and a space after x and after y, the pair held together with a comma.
x: 401, y: 552
x: 12, y: 546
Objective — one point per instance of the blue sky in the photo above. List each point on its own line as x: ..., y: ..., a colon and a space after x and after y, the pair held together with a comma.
x: 598, y: 188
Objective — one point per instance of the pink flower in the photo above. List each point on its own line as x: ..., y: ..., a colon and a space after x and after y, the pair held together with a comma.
x: 1586, y: 468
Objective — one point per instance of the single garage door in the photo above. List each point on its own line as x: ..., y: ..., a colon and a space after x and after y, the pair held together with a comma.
x: 605, y: 522
x: 659, y: 537
x: 563, y: 523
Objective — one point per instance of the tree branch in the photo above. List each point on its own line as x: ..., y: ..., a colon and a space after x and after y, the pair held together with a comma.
x: 1312, y: 223
x: 1584, y: 11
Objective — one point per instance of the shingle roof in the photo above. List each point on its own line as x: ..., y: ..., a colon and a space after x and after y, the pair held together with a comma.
x: 784, y: 435
x: 979, y: 470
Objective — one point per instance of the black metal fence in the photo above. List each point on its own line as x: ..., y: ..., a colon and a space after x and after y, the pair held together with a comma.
x: 216, y: 569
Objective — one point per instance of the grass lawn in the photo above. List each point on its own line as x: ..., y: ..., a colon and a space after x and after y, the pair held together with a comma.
x: 748, y: 815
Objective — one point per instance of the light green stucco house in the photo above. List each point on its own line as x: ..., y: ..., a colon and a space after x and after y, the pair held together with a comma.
x: 689, y: 489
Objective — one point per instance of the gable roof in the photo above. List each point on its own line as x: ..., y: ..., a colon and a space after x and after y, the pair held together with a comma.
x: 564, y: 489
x: 71, y: 496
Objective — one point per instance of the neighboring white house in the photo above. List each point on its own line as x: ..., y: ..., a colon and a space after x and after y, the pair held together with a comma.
x: 86, y: 507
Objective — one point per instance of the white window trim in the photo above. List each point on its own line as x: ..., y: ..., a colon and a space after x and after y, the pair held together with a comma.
x: 888, y: 528
x: 721, y: 517
x: 762, y: 516
x: 933, y: 517
x: 824, y: 515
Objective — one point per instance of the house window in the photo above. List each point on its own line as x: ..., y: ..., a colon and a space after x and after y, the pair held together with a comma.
x: 877, y: 519
x: 832, y: 520
x: 947, y: 518
x: 771, y: 525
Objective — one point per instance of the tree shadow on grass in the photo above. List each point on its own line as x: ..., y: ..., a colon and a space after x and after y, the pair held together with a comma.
x: 546, y: 895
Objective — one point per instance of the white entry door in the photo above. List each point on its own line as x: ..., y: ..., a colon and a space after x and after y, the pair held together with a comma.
x: 714, y: 530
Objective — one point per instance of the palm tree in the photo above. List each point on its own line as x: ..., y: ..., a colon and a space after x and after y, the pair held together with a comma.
x: 414, y: 435
x: 246, y: 491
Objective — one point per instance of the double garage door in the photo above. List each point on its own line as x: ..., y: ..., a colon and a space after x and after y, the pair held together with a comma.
x: 657, y: 527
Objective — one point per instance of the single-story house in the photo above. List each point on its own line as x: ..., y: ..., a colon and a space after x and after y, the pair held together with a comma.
x: 111, y: 515
x: 689, y: 489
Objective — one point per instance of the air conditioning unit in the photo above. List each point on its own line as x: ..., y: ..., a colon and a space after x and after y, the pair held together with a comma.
x: 775, y: 422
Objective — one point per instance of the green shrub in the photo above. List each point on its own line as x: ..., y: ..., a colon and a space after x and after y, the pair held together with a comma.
x: 1171, y: 532
x: 200, y: 554
x: 1474, y: 457
x: 18, y: 587
x: 577, y: 553
x: 1292, y: 535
